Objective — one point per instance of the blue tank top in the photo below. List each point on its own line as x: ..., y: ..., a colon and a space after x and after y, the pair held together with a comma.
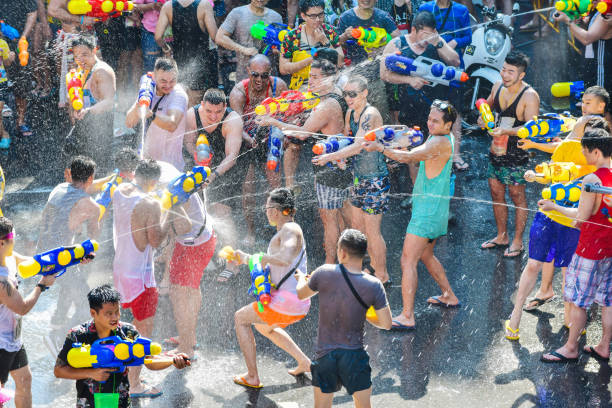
x: 367, y: 165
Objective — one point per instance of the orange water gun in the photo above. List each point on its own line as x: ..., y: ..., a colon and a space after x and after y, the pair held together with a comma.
x: 24, y: 55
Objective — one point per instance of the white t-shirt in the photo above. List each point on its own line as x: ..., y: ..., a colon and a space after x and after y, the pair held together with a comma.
x: 161, y: 144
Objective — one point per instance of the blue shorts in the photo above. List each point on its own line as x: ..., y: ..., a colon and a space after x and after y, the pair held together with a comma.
x: 339, y: 367
x: 371, y: 195
x: 331, y: 198
x: 550, y: 240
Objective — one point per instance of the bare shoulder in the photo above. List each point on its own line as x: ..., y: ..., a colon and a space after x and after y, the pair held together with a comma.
x: 104, y: 70
x: 591, y: 179
x: 281, y: 86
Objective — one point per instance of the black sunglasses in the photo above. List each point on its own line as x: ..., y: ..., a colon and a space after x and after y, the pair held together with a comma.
x: 262, y: 75
x: 350, y: 94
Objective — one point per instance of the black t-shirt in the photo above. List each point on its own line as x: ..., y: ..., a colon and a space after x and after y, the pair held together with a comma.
x: 15, y: 12
x: 116, y: 383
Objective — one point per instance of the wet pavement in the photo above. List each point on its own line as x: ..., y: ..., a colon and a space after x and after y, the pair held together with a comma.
x: 455, y: 358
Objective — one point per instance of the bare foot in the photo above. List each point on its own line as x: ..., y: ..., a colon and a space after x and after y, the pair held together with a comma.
x: 300, y: 369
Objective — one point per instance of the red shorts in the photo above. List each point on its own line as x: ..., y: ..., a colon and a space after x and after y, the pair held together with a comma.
x: 188, y: 263
x: 145, y: 305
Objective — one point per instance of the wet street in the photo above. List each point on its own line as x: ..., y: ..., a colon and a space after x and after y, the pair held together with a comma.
x: 455, y: 358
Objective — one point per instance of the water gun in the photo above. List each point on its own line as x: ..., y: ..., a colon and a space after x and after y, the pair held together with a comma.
x: 113, y: 352
x: 271, y: 34
x: 8, y: 31
x: 104, y: 198
x: 24, y: 55
x: 592, y: 188
x: 275, y: 149
x: 564, y: 89
x: 289, y: 103
x: 485, y: 113
x: 58, y: 259
x: 332, y: 144
x: 371, y: 313
x: 397, y: 135
x: 203, y: 154
x: 182, y: 187
x: 146, y: 90
x: 429, y: 69
x: 559, y: 172
x: 74, y: 85
x: 604, y: 7
x: 228, y: 253
x: 574, y: 8
x: 369, y: 38
x: 567, y: 194
x: 100, y: 9
x: 261, y: 285
x: 298, y: 78
x: 547, y: 127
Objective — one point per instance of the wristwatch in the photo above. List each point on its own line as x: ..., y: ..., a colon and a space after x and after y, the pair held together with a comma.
x: 440, y: 44
x: 42, y: 287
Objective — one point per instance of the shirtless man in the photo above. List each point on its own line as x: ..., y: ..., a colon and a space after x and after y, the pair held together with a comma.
x: 331, y: 184
x: 286, y: 254
x: 93, y: 128
x: 138, y: 227
x: 245, y: 96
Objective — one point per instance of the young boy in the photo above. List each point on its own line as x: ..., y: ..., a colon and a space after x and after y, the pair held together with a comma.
x: 345, y: 293
x: 589, y: 275
x: 105, y: 312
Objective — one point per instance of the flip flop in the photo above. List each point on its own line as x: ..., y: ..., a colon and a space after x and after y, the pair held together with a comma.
x: 388, y: 283
x: 440, y: 303
x: 25, y: 130
x: 147, y: 394
x: 593, y: 353
x: 225, y: 276
x: 561, y: 357
x: 511, y: 330
x: 397, y: 326
x: 490, y: 244
x: 539, y: 302
x: 242, y: 381
x: 516, y: 252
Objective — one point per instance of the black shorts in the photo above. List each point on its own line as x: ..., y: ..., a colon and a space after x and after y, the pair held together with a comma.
x: 21, y: 78
x: 10, y: 361
x: 339, y: 367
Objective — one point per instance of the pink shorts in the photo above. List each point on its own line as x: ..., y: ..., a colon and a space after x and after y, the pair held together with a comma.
x: 188, y: 263
x: 145, y: 305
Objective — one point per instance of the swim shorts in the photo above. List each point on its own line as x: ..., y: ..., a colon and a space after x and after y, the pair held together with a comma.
x: 331, y: 198
x: 588, y: 281
x: 550, y: 240
x: 371, y: 194
x: 189, y: 261
x: 274, y: 318
x: 10, y: 361
x: 145, y: 305
x: 512, y: 176
x: 339, y: 367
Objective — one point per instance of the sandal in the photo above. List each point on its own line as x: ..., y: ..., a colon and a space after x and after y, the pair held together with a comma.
x: 225, y: 276
x: 515, y: 333
x: 513, y: 253
x: 491, y: 244
x: 538, y: 302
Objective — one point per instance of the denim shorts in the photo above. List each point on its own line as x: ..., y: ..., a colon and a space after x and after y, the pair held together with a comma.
x: 150, y: 50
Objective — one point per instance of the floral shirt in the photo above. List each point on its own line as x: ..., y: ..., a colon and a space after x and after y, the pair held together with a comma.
x: 116, y: 383
x: 292, y: 41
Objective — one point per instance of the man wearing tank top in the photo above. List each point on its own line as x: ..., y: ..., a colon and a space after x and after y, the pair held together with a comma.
x: 193, y: 25
x: 245, y: 96
x: 69, y: 209
x: 165, y: 116
x: 139, y: 226
x: 223, y: 130
x: 331, y: 182
x: 430, y: 206
x: 286, y: 254
x: 515, y: 103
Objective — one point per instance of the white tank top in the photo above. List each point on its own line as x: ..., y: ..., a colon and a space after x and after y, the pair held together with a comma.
x: 10, y: 322
x: 132, y: 269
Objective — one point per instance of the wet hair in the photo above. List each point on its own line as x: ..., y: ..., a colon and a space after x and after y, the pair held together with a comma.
x: 148, y: 170
x: 600, y: 93
x: 517, y: 59
x: 597, y: 139
x: 82, y: 168
x: 326, y: 54
x: 360, y: 80
x: 214, y: 96
x: 261, y: 59
x: 285, y: 199
x: 326, y: 67
x: 84, y: 40
x: 126, y: 159
x: 597, y: 122
x: 306, y: 5
x: 449, y: 113
x: 165, y: 64
x: 97, y: 297
x: 424, y: 19
x: 6, y: 226
x: 354, y: 242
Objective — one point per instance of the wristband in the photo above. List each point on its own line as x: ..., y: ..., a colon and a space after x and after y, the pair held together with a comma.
x: 42, y: 287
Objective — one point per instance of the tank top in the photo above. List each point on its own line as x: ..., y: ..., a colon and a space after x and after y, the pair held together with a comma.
x: 132, y: 269
x: 366, y: 165
x: 189, y: 41
x: 215, y: 138
x: 88, y: 98
x: 10, y: 322
x: 59, y: 205
x: 514, y: 156
x: 284, y: 299
x: 250, y: 126
x: 595, y: 240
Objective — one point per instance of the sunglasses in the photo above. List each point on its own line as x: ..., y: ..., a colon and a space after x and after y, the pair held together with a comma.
x: 438, y: 104
x: 315, y: 16
x: 262, y: 75
x: 350, y: 94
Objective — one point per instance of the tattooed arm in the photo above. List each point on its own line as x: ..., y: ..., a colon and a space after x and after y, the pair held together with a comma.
x: 10, y: 296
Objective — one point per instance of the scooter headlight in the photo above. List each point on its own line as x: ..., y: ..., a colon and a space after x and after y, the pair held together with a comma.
x: 494, y: 41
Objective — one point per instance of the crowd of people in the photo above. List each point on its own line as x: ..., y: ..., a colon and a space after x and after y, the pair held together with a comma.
x: 187, y: 46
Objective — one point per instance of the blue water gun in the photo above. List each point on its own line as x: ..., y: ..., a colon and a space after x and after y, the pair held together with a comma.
x: 397, y: 135
x: 58, y: 259
x: 271, y: 34
x: 331, y: 145
x: 545, y: 128
x: 146, y: 90
x: 104, y: 198
x: 565, y: 194
x: 275, y: 149
x: 8, y: 31
x: 564, y: 89
x: 429, y: 69
x: 592, y: 188
x: 182, y: 187
x: 261, y: 285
